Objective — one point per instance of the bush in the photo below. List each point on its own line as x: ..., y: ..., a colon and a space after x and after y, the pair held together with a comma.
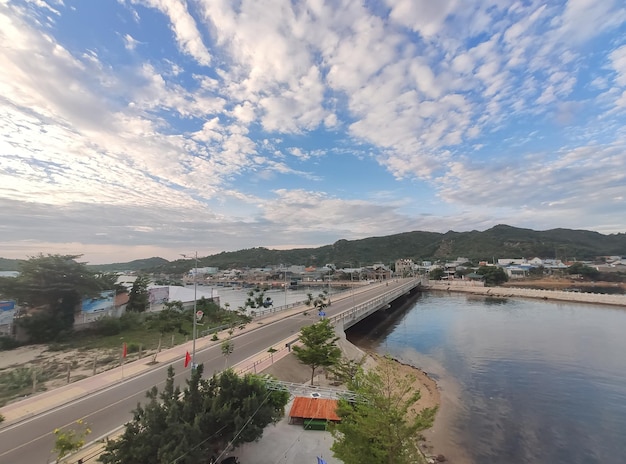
x: 8, y: 343
x: 107, y: 326
x: 131, y: 320
x: 132, y: 348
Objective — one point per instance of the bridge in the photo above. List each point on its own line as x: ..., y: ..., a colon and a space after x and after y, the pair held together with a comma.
x: 358, y: 312
x: 105, y: 401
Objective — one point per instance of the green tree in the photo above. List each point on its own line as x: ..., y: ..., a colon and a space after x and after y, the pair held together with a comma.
x: 536, y: 271
x: 52, y: 287
x: 227, y: 347
x: 382, y: 425
x: 346, y: 369
x: 587, y: 272
x: 494, y: 275
x: 256, y: 299
x: 138, y: 297
x: 436, y: 274
x: 189, y: 426
x: 70, y: 440
x: 319, y: 302
x: 319, y: 348
x: 169, y: 320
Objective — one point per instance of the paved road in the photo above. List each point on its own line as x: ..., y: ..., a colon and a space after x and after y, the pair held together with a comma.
x: 30, y: 441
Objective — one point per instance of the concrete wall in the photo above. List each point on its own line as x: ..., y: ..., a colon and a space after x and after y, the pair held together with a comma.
x: 579, y: 297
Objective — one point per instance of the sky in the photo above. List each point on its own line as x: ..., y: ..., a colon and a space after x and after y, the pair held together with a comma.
x: 139, y: 128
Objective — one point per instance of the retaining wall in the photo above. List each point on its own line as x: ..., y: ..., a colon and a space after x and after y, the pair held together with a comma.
x: 579, y: 297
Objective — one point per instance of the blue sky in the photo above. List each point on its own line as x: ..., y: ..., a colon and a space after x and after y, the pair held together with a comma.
x: 138, y: 128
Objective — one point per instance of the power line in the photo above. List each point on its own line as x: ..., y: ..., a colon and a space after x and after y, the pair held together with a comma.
x: 193, y: 448
x: 246, y: 424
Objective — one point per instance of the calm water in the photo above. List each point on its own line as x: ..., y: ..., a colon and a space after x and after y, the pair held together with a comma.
x: 522, y: 381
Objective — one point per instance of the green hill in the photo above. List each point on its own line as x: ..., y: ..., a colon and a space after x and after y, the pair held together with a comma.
x: 136, y: 265
x: 501, y: 241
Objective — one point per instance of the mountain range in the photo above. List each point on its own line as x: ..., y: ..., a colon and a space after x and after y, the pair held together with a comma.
x: 501, y: 241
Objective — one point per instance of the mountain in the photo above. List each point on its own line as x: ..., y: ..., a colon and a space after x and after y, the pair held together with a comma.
x: 501, y: 241
x: 136, y: 265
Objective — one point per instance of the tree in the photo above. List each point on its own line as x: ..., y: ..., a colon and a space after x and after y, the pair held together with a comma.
x: 319, y: 303
x: 538, y: 271
x: 493, y: 275
x: 382, y: 425
x: 586, y: 272
x: 256, y: 299
x: 436, y: 274
x: 346, y: 369
x: 138, y: 299
x: 227, y: 346
x: 52, y: 287
x: 70, y: 440
x: 204, y: 419
x: 319, y: 346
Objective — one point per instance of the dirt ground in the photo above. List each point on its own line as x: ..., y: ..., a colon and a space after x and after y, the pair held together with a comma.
x: 51, y: 368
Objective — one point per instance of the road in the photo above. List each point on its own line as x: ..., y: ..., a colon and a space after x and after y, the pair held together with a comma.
x: 31, y: 441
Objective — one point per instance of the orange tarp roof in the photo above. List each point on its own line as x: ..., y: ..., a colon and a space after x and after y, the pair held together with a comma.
x: 314, y: 408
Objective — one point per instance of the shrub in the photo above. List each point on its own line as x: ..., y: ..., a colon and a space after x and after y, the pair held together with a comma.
x: 107, y: 326
x: 131, y: 320
x: 132, y: 348
x: 8, y: 343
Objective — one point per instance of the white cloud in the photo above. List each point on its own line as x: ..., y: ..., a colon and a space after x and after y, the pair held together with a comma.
x: 618, y: 62
x: 183, y: 26
x: 444, y: 97
x: 129, y: 42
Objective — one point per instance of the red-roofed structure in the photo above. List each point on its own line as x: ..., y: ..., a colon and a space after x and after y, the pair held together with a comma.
x: 304, y: 408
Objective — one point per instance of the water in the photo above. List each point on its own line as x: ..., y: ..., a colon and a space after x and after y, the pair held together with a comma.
x: 522, y: 381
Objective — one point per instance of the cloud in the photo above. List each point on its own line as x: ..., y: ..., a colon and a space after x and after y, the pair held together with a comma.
x: 238, y: 120
x: 183, y: 26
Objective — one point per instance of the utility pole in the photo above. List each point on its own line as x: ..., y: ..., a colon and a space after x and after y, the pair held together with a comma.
x: 195, y: 309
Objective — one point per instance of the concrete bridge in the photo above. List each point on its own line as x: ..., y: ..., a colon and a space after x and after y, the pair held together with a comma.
x: 359, y: 311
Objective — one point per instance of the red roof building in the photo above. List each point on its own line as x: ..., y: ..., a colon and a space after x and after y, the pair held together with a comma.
x: 304, y: 408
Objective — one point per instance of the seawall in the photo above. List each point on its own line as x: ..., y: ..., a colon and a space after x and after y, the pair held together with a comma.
x: 476, y: 289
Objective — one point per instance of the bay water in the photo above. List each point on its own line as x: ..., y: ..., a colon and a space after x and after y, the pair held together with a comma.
x: 522, y: 381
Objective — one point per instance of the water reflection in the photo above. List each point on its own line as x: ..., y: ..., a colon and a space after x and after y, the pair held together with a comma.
x: 522, y: 381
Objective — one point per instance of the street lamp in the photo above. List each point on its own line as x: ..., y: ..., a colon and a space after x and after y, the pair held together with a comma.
x: 329, y: 286
x: 195, y: 308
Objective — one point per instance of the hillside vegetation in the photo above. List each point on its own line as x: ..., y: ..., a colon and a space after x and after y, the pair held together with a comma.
x: 498, y: 242
x: 501, y: 241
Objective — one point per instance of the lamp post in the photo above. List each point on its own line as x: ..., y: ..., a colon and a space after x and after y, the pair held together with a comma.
x: 195, y: 309
x: 329, y: 286
x: 285, y: 284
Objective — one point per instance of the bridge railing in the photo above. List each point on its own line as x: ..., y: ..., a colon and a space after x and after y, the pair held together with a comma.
x: 374, y: 304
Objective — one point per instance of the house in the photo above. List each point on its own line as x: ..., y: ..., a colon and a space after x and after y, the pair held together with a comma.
x: 405, y: 267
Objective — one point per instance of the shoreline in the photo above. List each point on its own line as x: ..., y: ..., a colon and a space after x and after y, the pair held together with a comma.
x: 520, y: 292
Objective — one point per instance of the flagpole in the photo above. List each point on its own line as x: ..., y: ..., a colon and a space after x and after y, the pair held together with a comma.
x: 195, y: 309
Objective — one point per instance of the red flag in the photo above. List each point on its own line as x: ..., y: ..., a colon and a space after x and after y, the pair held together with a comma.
x: 187, y: 359
x: 124, y: 350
